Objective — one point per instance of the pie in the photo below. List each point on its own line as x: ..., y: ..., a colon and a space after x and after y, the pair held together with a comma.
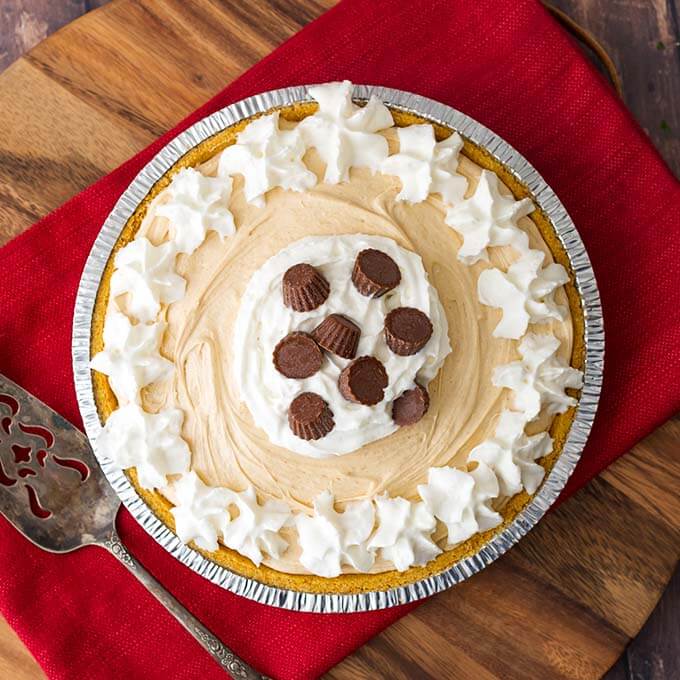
x: 337, y: 347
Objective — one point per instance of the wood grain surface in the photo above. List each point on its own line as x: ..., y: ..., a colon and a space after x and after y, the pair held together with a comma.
x: 566, y: 601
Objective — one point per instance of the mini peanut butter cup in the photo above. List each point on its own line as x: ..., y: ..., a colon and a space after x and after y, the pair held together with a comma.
x: 407, y: 330
x: 304, y: 288
x: 363, y: 381
x: 297, y: 356
x: 339, y: 335
x: 310, y: 417
x: 375, y: 273
x: 411, y: 406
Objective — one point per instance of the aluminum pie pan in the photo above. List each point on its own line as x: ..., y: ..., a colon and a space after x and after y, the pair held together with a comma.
x: 526, y: 519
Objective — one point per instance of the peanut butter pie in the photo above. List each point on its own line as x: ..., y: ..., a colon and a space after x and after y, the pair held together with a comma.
x: 337, y: 347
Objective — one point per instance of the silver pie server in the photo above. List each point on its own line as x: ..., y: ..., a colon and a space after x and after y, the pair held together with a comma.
x: 54, y: 492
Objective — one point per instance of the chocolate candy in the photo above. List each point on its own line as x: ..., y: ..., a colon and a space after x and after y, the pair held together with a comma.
x: 407, y: 330
x: 310, y: 417
x: 337, y: 334
x: 297, y: 356
x: 304, y: 288
x: 363, y: 381
x: 375, y: 273
x: 411, y: 406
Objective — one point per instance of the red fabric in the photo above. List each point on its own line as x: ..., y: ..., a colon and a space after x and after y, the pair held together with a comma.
x: 504, y: 62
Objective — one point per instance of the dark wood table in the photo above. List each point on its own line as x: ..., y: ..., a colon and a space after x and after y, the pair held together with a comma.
x: 86, y: 72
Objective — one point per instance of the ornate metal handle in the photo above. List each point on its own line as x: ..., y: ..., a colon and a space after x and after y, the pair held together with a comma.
x: 231, y: 663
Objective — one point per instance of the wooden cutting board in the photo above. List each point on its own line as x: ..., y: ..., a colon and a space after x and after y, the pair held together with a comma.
x: 569, y: 597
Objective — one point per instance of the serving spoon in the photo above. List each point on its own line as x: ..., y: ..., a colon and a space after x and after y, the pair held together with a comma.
x: 54, y: 492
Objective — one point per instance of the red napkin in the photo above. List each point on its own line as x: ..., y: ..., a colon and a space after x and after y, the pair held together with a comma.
x: 507, y: 64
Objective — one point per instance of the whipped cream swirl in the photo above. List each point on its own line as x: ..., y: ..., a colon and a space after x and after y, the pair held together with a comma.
x: 511, y: 454
x: 343, y: 133
x: 539, y: 380
x: 331, y: 539
x: 131, y: 356
x: 255, y: 529
x: 267, y: 157
x: 200, y: 511
x: 196, y: 204
x: 462, y: 500
x: 426, y: 166
x: 488, y: 218
x: 145, y: 274
x: 403, y: 533
x: 525, y: 293
x: 150, y: 442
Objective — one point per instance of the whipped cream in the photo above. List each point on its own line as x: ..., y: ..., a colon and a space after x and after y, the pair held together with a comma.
x: 150, y: 442
x: 196, y: 204
x: 511, y: 454
x: 255, y: 530
x: 539, y: 380
x: 525, y: 293
x: 462, y: 500
x: 145, y: 274
x: 267, y: 157
x: 331, y: 539
x: 263, y: 320
x: 200, y: 511
x: 488, y: 218
x: 343, y: 133
x: 202, y: 515
x: 426, y: 166
x: 403, y: 533
x: 131, y: 356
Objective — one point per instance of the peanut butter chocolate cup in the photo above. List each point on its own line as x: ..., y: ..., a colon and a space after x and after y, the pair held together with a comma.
x: 297, y: 356
x: 375, y: 273
x: 363, y: 381
x: 339, y: 335
x: 411, y: 406
x: 304, y: 288
x: 310, y: 417
x: 407, y: 330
